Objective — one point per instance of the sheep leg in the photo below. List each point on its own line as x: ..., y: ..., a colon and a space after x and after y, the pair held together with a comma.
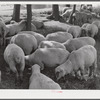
x: 77, y: 74
x: 42, y: 65
x: 91, y: 71
x: 22, y: 66
x: 94, y: 68
x: 7, y: 70
x: 83, y: 74
x: 14, y: 70
x: 4, y: 39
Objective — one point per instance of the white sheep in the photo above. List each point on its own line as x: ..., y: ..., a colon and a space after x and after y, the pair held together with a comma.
x: 40, y: 81
x: 59, y: 36
x: 38, y: 36
x: 51, y: 44
x: 97, y: 23
x: 26, y: 41
x: 14, y: 57
x: 47, y: 57
x: 75, y: 31
x: 79, y: 60
x: 76, y: 43
x: 13, y: 29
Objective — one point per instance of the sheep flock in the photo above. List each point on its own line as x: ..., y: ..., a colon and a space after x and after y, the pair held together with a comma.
x: 53, y: 55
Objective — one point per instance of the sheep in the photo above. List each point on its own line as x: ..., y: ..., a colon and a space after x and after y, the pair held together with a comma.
x: 33, y: 27
x: 59, y: 36
x: 26, y: 41
x: 2, y: 31
x: 79, y: 60
x: 97, y: 23
x: 83, y: 30
x: 75, y: 31
x: 85, y: 24
x: 90, y: 30
x: 13, y: 22
x: 13, y: 29
x: 39, y: 24
x: 40, y: 81
x: 47, y: 57
x: 67, y: 13
x: 51, y: 44
x: 38, y: 36
x: 76, y: 43
x: 14, y: 57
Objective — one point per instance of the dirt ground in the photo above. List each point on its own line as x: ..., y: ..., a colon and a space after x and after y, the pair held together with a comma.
x: 69, y: 83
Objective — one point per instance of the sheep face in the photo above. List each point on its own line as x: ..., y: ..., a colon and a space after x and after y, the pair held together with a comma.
x: 84, y: 32
x: 59, y: 72
x: 64, y: 69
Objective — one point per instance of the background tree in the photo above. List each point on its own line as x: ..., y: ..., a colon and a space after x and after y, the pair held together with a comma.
x: 55, y: 9
x: 16, y: 13
x: 71, y: 15
x: 29, y: 17
x: 55, y: 13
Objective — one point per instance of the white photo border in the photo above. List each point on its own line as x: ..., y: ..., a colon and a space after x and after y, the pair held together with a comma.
x: 49, y: 94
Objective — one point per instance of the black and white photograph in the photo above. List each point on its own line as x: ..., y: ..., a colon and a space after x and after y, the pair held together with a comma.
x: 50, y: 46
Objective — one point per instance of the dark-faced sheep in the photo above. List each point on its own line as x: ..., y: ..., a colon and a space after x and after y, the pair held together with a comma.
x: 41, y: 81
x: 90, y: 30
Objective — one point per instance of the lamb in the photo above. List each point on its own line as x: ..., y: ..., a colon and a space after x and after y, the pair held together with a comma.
x: 38, y: 36
x: 40, y: 81
x: 51, y: 44
x: 75, y: 31
x: 76, y: 43
x: 79, y: 60
x: 14, y: 57
x: 47, y: 57
x: 26, y: 41
x: 59, y: 36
